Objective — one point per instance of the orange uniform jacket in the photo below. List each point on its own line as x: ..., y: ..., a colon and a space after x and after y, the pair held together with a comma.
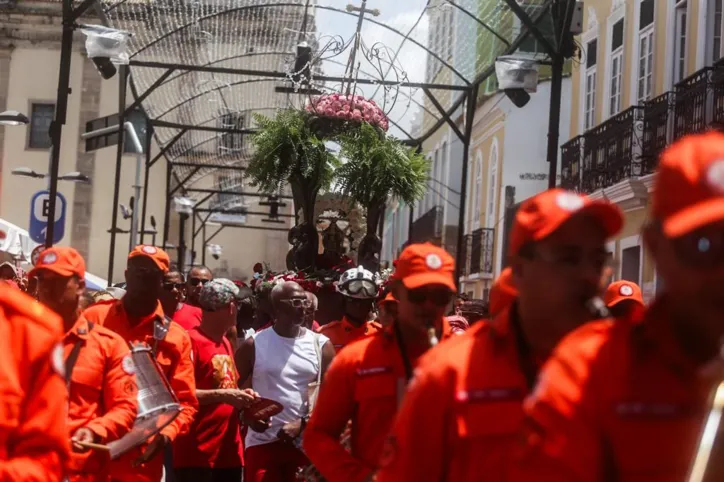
x: 174, y: 358
x: 103, y: 395
x: 33, y: 401
x: 363, y: 384
x: 463, y: 410
x: 342, y: 332
x: 616, y: 402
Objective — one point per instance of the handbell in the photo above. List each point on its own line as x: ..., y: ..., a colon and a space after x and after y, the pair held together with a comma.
x: 157, y: 403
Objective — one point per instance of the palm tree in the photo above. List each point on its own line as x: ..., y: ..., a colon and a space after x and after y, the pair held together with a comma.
x: 378, y: 168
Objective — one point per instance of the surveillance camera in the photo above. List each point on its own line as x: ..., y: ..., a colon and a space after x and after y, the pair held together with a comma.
x: 215, y: 256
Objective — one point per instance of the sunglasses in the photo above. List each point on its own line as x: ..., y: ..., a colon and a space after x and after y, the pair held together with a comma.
x: 701, y: 250
x: 171, y: 286
x: 298, y: 302
x: 436, y: 297
x: 197, y: 281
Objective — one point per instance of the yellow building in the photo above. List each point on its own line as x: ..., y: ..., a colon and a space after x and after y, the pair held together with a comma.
x: 649, y: 73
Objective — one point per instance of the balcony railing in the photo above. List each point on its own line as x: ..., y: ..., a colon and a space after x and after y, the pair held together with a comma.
x: 693, y: 103
x: 428, y: 227
x: 571, y: 158
x: 657, y: 129
x: 479, y: 252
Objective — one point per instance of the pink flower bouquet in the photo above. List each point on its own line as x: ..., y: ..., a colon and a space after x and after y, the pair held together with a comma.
x: 354, y: 108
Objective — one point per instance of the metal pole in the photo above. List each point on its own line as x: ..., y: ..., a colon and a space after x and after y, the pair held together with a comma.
x: 469, y: 118
x: 193, y: 235
x: 61, y: 107
x: 182, y: 241
x: 167, y: 213
x: 145, y: 183
x: 133, y: 136
x: 554, y: 120
x: 411, y: 223
x: 203, y: 245
x: 122, y: 80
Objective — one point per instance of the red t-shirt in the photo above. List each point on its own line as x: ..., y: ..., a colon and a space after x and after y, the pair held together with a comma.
x: 188, y: 316
x: 214, y: 439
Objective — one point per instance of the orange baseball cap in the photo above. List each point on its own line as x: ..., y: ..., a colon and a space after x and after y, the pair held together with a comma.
x: 541, y: 215
x: 63, y: 261
x: 621, y: 291
x: 425, y: 264
x: 159, y: 256
x: 503, y: 292
x: 689, y: 184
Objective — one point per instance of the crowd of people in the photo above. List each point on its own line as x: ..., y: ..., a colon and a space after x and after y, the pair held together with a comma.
x: 567, y: 376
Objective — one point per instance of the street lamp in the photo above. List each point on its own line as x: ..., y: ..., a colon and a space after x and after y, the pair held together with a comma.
x: 13, y: 118
x: 74, y: 176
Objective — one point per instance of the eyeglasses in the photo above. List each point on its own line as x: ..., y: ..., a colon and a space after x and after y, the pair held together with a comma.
x: 171, y: 286
x: 197, y: 281
x: 298, y: 302
x: 437, y: 297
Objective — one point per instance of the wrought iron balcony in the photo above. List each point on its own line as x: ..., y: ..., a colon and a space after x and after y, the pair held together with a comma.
x: 717, y: 79
x: 571, y: 159
x: 657, y: 129
x: 479, y: 253
x: 428, y: 227
x: 693, y: 103
x: 612, y: 150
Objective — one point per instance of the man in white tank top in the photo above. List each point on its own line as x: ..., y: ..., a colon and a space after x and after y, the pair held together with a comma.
x: 282, y: 362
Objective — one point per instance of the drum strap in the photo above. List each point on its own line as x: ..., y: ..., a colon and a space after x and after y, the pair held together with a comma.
x: 73, y: 358
x: 403, y: 351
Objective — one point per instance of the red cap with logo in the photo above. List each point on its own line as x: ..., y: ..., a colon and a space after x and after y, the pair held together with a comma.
x: 159, y: 256
x: 425, y: 264
x: 541, y: 215
x: 621, y: 291
x: 63, y: 261
x: 689, y: 184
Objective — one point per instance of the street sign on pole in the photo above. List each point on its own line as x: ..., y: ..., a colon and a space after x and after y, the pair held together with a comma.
x: 39, y: 210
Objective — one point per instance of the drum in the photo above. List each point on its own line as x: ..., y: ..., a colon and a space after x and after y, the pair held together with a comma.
x: 157, y: 404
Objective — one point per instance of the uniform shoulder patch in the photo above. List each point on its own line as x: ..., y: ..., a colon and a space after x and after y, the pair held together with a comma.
x: 128, y: 365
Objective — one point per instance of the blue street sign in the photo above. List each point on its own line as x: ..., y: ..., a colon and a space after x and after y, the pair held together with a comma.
x: 39, y: 206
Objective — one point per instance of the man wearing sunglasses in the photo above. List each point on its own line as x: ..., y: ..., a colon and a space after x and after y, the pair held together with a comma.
x: 173, y: 301
x: 198, y: 277
x: 359, y: 289
x: 462, y: 414
x: 282, y: 362
x: 139, y: 317
x: 623, y: 401
x: 367, y: 380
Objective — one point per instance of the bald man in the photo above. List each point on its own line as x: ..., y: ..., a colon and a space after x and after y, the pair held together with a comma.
x: 272, y: 446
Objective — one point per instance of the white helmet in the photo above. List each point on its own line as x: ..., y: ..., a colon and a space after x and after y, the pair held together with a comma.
x: 358, y: 283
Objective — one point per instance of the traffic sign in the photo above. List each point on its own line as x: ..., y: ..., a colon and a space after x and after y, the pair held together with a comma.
x: 36, y: 254
x: 39, y: 206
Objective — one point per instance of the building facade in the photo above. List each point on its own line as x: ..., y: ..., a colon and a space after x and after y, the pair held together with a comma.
x: 650, y: 72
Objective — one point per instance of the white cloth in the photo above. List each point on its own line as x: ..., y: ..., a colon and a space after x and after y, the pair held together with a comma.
x: 283, y: 370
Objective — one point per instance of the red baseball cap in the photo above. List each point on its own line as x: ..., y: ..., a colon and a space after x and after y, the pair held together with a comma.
x: 689, y: 184
x: 159, y: 256
x: 503, y: 292
x: 63, y: 261
x: 425, y: 264
x: 541, y: 215
x: 621, y: 291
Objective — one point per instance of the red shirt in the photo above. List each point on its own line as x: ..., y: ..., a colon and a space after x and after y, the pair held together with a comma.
x: 188, y: 316
x: 214, y: 439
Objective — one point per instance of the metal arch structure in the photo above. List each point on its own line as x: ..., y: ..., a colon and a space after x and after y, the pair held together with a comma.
x: 179, y: 45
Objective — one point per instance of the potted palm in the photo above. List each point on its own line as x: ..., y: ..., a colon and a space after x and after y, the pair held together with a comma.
x: 377, y: 168
x: 287, y: 150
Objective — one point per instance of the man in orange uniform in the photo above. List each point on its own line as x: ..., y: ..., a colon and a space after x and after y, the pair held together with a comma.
x: 139, y: 317
x: 102, y: 387
x: 367, y: 379
x: 359, y: 289
x: 627, y: 402
x: 463, y: 410
x: 624, y: 300
x: 33, y: 435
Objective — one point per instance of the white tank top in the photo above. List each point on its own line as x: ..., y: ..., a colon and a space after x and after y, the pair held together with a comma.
x: 283, y: 370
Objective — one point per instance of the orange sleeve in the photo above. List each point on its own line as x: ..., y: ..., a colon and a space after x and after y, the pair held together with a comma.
x: 335, y: 407
x: 416, y: 448
x: 183, y: 384
x: 562, y: 433
x: 119, y: 394
x: 39, y: 446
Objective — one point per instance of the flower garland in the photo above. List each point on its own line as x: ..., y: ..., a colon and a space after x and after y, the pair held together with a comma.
x: 313, y: 282
x: 350, y: 107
